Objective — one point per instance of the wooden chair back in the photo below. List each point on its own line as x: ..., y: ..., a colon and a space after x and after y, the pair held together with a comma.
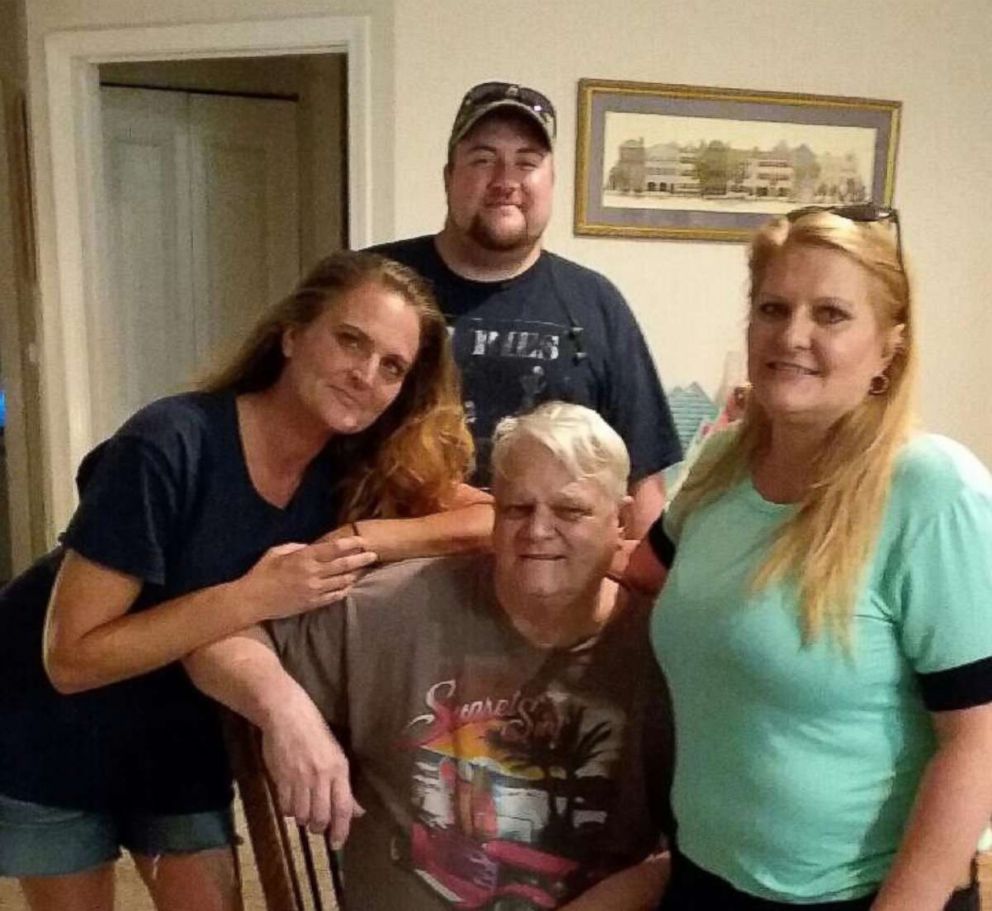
x: 296, y: 874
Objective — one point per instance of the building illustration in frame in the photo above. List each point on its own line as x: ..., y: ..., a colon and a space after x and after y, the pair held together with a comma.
x: 688, y: 162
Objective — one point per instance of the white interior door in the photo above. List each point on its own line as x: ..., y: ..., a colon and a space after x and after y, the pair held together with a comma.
x: 203, y: 232
x: 245, y: 213
x: 148, y: 337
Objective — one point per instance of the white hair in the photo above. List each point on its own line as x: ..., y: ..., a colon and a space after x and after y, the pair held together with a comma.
x: 576, y: 436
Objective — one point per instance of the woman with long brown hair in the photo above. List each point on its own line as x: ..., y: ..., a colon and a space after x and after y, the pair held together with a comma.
x: 825, y: 625
x: 205, y: 513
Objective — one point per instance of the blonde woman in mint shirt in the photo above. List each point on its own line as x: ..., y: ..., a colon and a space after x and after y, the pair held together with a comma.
x: 826, y: 622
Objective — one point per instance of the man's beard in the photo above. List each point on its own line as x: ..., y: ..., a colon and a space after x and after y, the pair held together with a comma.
x: 501, y: 241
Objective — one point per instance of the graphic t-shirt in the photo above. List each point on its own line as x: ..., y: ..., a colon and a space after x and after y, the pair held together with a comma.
x: 557, y: 331
x: 490, y: 769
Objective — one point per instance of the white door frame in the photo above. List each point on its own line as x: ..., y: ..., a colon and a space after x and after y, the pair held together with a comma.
x: 71, y: 61
x: 12, y: 349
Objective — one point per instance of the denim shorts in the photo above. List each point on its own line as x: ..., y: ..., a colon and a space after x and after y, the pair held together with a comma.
x: 37, y: 840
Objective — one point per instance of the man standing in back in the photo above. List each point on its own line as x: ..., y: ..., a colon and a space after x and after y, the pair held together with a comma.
x: 528, y: 325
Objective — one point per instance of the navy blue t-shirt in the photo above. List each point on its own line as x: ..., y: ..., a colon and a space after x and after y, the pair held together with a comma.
x: 167, y: 499
x: 557, y: 331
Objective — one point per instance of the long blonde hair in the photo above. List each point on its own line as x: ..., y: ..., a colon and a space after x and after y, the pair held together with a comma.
x: 825, y: 545
x: 411, y: 459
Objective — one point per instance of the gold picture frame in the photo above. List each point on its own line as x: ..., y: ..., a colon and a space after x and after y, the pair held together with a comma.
x: 694, y: 163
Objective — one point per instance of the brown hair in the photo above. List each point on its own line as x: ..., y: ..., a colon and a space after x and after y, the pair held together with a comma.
x: 824, y: 547
x: 413, y: 456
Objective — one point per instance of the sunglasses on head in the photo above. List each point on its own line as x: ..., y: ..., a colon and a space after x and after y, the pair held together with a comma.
x: 863, y: 212
x: 488, y: 92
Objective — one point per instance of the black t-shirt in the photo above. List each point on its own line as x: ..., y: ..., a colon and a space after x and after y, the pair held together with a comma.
x: 557, y: 331
x: 167, y: 499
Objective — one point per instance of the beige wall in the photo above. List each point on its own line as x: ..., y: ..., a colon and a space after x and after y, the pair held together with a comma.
x: 930, y: 54
x: 933, y: 56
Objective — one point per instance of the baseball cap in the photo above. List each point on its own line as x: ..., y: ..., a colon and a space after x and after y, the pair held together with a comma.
x: 486, y: 97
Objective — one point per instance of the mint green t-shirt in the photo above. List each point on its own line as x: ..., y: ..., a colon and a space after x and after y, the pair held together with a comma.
x: 796, y: 767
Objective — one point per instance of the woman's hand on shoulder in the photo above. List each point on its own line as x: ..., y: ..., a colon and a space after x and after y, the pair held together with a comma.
x: 643, y: 572
x: 294, y: 578
x: 618, y: 566
x: 310, y: 770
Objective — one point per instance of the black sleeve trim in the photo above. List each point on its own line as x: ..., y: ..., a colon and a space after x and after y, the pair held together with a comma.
x: 661, y: 544
x: 961, y: 687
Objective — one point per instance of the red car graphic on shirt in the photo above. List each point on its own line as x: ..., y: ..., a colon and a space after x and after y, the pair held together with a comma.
x: 495, y: 875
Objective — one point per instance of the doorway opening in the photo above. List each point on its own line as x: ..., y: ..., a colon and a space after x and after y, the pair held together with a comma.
x: 74, y: 298
x: 224, y: 179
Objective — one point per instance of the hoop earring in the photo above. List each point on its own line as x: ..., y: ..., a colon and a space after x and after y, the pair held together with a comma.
x: 879, y: 384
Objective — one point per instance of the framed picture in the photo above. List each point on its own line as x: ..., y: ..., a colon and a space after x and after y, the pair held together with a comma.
x: 679, y: 161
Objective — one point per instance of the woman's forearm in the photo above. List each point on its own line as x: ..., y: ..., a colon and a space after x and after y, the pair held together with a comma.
x: 307, y: 764
x: 136, y: 643
x: 643, y: 571
x: 648, y: 501
x: 465, y: 529
x: 244, y: 673
x: 92, y: 638
x: 952, y: 807
x: 637, y: 888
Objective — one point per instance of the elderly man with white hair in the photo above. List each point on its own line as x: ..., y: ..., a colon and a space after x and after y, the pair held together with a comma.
x: 507, y: 728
